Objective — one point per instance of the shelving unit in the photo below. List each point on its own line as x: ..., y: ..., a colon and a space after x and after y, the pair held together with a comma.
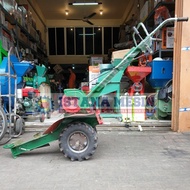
x: 22, y: 37
x: 163, y: 53
x: 149, y: 23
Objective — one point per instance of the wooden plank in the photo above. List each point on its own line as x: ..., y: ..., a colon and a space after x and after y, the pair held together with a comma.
x: 176, y: 67
x: 181, y: 84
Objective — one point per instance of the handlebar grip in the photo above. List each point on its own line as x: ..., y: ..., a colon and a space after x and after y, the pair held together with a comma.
x: 135, y: 30
x: 182, y: 19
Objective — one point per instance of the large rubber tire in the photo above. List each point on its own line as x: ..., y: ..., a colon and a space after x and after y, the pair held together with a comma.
x: 3, y: 123
x: 19, y: 126
x: 78, y: 141
x: 42, y: 117
x: 48, y: 116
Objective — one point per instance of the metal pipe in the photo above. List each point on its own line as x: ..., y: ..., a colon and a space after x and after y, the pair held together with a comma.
x: 9, y: 89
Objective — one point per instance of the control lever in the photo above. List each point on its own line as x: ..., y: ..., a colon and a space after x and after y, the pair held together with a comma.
x: 138, y: 34
x: 182, y: 19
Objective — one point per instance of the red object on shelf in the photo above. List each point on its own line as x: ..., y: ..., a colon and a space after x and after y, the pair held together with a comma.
x: 26, y: 90
x: 137, y: 75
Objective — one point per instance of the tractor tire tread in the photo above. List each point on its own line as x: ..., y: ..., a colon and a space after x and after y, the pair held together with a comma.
x: 85, y: 128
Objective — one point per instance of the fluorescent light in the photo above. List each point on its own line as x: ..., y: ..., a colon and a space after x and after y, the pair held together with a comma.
x: 86, y: 3
x: 87, y: 34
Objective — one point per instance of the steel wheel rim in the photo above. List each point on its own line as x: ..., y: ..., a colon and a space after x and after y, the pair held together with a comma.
x: 78, y: 142
x: 3, y: 123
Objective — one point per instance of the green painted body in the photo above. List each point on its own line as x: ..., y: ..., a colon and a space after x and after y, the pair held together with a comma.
x: 51, y: 134
x: 164, y: 109
x: 40, y: 77
x: 108, y: 82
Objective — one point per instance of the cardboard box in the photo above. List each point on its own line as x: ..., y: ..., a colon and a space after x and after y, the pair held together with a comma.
x: 57, y: 69
x: 33, y: 46
x: 2, y: 17
x: 8, y: 5
x: 6, y: 40
x: 94, y: 72
x: 132, y: 108
x: 96, y: 60
x: 119, y: 54
x: 167, y: 37
x: 157, y: 44
x: 33, y: 32
x: 10, y: 26
x: 23, y: 37
x: 170, y: 37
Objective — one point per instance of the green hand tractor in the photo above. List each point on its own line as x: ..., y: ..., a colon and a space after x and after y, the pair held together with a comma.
x: 76, y: 132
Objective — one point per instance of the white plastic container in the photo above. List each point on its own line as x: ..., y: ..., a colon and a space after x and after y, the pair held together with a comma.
x: 19, y: 93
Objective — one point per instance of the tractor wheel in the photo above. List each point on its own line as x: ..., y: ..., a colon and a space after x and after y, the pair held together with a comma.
x: 3, y: 123
x: 19, y: 126
x: 42, y: 117
x: 78, y: 141
x: 48, y: 115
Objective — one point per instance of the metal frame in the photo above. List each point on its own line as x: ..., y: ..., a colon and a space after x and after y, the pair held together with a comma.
x: 10, y: 114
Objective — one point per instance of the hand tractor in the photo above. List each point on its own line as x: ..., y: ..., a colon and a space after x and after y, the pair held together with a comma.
x: 76, y: 132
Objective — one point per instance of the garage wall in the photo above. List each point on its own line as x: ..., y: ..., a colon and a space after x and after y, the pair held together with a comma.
x: 77, y: 59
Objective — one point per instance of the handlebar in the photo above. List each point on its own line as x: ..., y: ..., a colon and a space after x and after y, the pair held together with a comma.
x: 150, y: 35
x: 182, y: 19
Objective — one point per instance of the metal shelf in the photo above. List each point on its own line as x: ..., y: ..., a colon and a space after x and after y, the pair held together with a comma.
x: 163, y: 53
x: 149, y: 21
x: 10, y: 18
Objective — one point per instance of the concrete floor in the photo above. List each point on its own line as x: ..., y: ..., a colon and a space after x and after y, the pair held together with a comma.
x: 126, y: 159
